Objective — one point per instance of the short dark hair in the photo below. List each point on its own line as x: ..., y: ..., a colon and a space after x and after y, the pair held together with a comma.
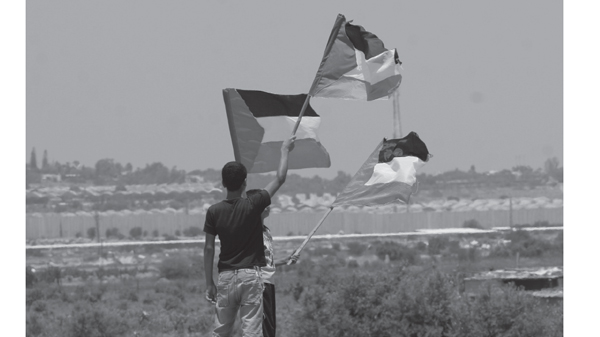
x: 252, y: 192
x: 233, y: 174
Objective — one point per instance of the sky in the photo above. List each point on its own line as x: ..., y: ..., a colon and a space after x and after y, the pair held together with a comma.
x: 141, y: 81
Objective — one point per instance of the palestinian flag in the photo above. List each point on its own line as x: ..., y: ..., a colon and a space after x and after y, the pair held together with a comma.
x: 356, y: 65
x: 259, y: 122
x: 388, y: 175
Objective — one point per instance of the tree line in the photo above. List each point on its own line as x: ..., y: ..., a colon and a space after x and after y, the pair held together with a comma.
x: 107, y: 171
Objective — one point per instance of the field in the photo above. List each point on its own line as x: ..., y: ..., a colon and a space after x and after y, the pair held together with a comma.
x: 344, y: 286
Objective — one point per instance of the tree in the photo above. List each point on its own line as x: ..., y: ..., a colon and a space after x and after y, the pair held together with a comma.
x: 106, y: 170
x: 552, y: 169
x: 45, y: 161
x: 33, y: 160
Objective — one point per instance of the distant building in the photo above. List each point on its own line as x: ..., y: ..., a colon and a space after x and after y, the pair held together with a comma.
x: 48, y: 177
x: 194, y: 179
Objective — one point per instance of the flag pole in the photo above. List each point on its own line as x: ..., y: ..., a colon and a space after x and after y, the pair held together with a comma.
x: 396, y: 114
x: 297, y: 251
x: 301, y: 114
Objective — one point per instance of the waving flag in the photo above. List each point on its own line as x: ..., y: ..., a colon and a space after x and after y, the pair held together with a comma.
x: 356, y: 65
x: 259, y: 122
x: 388, y: 174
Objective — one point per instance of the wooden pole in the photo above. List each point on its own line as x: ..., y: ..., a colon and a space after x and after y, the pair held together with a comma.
x: 301, y: 114
x: 297, y: 252
x: 396, y: 114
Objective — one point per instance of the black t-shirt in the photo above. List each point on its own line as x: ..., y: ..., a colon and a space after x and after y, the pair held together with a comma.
x: 238, y: 225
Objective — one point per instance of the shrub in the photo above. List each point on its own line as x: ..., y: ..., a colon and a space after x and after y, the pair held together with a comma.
x: 505, y: 311
x: 155, y: 233
x: 177, y: 233
x: 541, y: 224
x: 39, y: 306
x: 88, y: 320
x: 192, y: 231
x: 175, y: 267
x: 356, y: 248
x: 114, y: 233
x: 437, y: 244
x: 91, y: 233
x: 468, y: 254
x: 525, y: 244
x: 394, y: 303
x: 34, y: 295
x: 472, y: 224
x: 353, y: 264
x: 136, y: 232
x: 322, y: 251
x: 396, y: 252
x: 34, y: 325
x: 169, y: 237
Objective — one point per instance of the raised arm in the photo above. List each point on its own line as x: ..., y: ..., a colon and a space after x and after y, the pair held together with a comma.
x: 286, y: 147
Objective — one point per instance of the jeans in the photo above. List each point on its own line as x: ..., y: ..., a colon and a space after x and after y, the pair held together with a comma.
x: 269, y: 321
x: 239, y: 290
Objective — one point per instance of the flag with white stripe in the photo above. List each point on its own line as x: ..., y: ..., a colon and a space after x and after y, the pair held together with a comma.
x: 356, y: 65
x: 388, y: 175
x: 259, y: 122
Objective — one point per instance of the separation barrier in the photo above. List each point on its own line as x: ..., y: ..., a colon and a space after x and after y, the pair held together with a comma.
x: 52, y: 226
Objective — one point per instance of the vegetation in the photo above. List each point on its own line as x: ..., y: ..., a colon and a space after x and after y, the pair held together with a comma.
x: 340, y: 288
x: 108, y: 172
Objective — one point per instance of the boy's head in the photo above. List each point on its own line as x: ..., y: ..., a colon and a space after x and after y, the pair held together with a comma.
x: 234, y: 176
x: 266, y: 212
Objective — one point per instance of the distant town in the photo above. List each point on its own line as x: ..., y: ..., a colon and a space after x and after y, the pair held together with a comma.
x: 112, y: 186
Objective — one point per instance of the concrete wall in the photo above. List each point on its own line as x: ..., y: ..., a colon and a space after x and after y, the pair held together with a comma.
x: 282, y: 224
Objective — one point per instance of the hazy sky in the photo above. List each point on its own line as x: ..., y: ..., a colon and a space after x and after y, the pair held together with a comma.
x: 141, y: 81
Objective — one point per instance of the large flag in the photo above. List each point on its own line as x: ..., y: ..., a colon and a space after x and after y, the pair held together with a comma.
x: 388, y: 175
x: 259, y: 122
x: 356, y: 65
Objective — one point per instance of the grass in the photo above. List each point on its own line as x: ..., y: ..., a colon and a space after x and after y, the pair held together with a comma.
x: 162, y: 295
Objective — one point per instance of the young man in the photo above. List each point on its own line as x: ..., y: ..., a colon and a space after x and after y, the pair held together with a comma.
x: 237, y: 222
x: 269, y: 319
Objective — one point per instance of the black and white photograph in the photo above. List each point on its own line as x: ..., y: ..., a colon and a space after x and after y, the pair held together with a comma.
x: 299, y: 169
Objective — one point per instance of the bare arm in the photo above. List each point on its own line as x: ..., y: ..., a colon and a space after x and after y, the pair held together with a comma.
x: 292, y: 258
x: 274, y: 185
x: 209, y: 255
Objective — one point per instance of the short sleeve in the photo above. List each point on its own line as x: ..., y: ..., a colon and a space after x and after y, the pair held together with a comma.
x: 261, y: 200
x: 209, y: 224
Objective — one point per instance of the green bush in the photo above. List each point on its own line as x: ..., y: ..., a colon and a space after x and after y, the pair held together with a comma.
x: 34, y: 325
x: 472, y: 224
x: 524, y: 243
x: 96, y: 321
x: 175, y: 267
x: 192, y: 231
x: 468, y: 254
x: 33, y: 295
x: 114, y: 233
x: 136, y: 232
x: 394, y: 303
x: 91, y: 233
x: 505, y: 311
x: 437, y: 244
x: 396, y: 252
x: 356, y: 248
